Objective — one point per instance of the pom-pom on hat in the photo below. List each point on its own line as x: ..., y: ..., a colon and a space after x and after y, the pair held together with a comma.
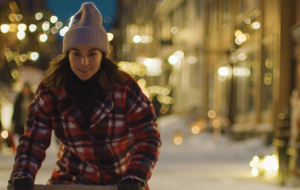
x: 86, y: 29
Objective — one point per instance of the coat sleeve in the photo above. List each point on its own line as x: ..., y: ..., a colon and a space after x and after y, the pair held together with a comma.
x: 143, y: 133
x: 36, y: 139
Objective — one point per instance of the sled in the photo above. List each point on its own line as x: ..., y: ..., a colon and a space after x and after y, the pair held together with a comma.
x: 69, y: 187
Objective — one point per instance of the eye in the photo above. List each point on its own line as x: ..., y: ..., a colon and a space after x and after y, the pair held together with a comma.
x: 92, y: 54
x: 76, y: 54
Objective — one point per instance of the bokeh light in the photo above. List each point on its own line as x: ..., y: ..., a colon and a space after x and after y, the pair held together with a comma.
x: 38, y: 16
x: 137, y: 39
x: 21, y: 35
x: 43, y: 37
x: 22, y: 27
x: 53, y: 19
x: 32, y: 28
x: 110, y: 36
x: 4, y: 134
x: 4, y: 28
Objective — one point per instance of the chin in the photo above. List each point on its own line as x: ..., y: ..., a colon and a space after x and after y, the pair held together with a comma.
x: 84, y: 78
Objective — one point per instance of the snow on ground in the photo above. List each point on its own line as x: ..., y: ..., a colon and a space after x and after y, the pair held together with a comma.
x: 200, y: 162
x: 204, y: 147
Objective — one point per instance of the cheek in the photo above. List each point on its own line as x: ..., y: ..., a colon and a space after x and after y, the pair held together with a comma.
x: 97, y: 63
x: 72, y: 64
x: 73, y: 61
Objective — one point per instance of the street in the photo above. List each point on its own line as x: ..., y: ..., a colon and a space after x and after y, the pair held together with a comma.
x: 200, y: 162
x: 223, y: 78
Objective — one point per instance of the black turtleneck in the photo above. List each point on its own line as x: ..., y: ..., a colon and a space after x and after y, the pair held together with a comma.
x: 83, y: 93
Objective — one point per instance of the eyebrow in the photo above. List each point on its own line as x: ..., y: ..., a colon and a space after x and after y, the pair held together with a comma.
x: 88, y: 51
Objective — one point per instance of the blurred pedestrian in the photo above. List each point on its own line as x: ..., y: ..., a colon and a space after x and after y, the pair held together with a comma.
x: 106, y: 126
x: 20, y: 109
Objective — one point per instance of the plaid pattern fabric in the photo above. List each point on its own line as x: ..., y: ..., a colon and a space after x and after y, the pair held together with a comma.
x: 121, y: 140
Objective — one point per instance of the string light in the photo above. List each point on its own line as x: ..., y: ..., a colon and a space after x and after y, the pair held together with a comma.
x: 137, y: 39
x: 4, y: 134
x: 54, y: 30
x: 19, y: 17
x: 46, y: 25
x: 33, y: 56
x: 53, y: 19
x: 32, y: 28
x: 43, y: 37
x: 59, y: 24
x: 5, y: 28
x: 38, y: 16
x: 22, y: 27
x: 110, y: 36
x: 21, y: 35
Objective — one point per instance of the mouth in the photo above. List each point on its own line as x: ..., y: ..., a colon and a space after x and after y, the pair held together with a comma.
x: 84, y: 70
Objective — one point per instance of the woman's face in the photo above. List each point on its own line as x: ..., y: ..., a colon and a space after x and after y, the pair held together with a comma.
x: 85, y: 61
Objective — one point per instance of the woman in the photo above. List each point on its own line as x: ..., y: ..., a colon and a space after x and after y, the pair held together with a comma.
x: 106, y: 126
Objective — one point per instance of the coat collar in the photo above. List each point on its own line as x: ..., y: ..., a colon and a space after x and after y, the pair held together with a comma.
x: 69, y: 109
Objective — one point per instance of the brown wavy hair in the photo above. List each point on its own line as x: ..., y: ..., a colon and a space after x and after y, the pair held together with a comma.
x: 110, y: 77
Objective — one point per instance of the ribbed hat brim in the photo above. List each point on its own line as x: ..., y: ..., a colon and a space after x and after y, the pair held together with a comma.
x: 85, y: 36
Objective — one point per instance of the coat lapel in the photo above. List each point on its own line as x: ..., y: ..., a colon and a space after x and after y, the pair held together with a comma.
x: 70, y: 110
x: 103, y: 106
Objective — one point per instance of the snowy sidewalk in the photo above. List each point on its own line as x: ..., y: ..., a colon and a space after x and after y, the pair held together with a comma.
x: 199, y: 163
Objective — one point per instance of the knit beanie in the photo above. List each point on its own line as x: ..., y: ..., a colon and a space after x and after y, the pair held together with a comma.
x: 86, y: 29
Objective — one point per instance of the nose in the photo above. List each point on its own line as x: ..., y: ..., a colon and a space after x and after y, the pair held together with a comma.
x: 84, y: 61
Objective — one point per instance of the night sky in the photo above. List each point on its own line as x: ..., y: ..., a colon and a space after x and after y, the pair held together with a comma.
x: 64, y: 9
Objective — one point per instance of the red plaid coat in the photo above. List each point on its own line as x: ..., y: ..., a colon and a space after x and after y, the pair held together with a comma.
x: 121, y: 141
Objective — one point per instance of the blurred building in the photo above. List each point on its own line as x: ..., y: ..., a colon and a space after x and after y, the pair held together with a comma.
x: 135, y: 45
x: 231, y: 64
x: 228, y: 61
x: 248, y: 62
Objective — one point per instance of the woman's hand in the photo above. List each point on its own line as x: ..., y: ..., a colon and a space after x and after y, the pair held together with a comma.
x: 23, y: 183
x: 131, y: 184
